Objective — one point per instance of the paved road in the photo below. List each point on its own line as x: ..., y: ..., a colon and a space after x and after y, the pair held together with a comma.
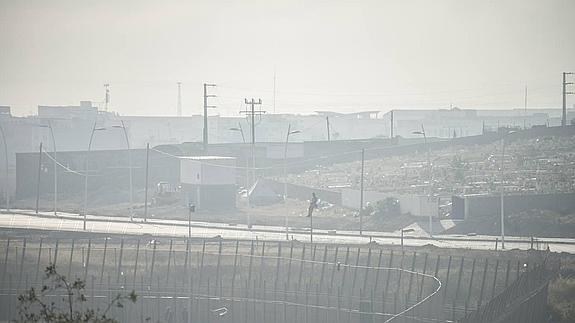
x: 25, y: 219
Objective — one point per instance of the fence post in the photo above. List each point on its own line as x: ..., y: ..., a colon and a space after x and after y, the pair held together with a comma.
x: 311, y: 273
x: 400, y: 272
x: 6, y: 259
x: 289, y: 262
x: 120, y: 260
x: 423, y: 277
x: 56, y: 252
x: 387, y: 276
x: 285, y: 303
x: 262, y: 262
x: 368, y: 264
x: 495, y: 279
x: 218, y: 265
x: 153, y: 261
x: 507, y: 272
x: 87, y: 263
x: 235, y: 268
x: 201, y: 269
x: 103, y: 260
x: 278, y: 263
x: 71, y: 259
x: 338, y: 304
x: 323, y: 266
x: 457, y: 288
x: 169, y: 261
x: 483, y: 283
x: 446, y: 281
x: 251, y: 262
x: 355, y: 269
x: 335, y: 266
x: 301, y: 267
x: 21, y: 263
x: 410, y: 278
x: 136, y: 260
x: 469, y: 289
x: 38, y: 261
x: 378, y: 268
x: 187, y: 254
x: 306, y: 303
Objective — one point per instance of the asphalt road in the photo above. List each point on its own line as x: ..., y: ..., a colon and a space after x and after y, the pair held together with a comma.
x: 25, y: 219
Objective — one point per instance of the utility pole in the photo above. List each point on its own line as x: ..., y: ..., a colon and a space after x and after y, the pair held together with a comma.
x: 274, y: 91
x: 147, y: 175
x: 38, y: 181
x: 6, y: 180
x: 179, y: 99
x: 107, y: 96
x: 565, y: 83
x: 391, y: 123
x: 251, y: 115
x: 328, y: 133
x: 206, y: 106
x: 361, y: 194
x: 525, y: 109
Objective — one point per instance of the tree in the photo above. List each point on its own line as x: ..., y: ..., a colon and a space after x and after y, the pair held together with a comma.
x: 34, y: 306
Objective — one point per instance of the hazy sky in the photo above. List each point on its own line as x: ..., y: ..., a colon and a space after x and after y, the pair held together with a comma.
x: 336, y: 55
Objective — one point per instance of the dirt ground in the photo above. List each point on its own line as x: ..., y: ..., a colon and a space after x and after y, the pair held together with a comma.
x: 327, y: 217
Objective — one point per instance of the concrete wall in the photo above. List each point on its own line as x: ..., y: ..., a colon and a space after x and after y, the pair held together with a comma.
x: 474, y: 206
x: 413, y: 204
x: 304, y: 192
x: 108, y: 169
x: 210, y: 197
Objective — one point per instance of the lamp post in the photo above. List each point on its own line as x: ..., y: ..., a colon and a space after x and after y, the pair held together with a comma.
x: 6, y: 194
x: 49, y: 126
x: 123, y: 127
x: 502, y: 189
x: 241, y: 130
x: 422, y: 132
x: 94, y: 129
x: 289, y: 132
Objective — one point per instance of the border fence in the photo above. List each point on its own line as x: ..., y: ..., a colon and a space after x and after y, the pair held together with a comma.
x: 178, y: 280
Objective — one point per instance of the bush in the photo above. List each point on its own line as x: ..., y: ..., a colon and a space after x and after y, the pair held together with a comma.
x: 388, y: 207
x: 562, y: 299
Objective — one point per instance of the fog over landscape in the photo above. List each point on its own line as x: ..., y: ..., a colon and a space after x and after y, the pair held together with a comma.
x: 339, y: 55
x: 287, y: 161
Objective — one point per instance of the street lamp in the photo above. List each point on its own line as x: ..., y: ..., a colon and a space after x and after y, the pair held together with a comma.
x: 241, y: 130
x: 422, y: 132
x: 289, y: 132
x: 123, y: 127
x: 94, y: 129
x: 503, y: 188
x: 49, y: 126
x: 6, y: 194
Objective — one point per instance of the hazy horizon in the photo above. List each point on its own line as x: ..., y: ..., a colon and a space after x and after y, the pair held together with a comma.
x: 326, y: 55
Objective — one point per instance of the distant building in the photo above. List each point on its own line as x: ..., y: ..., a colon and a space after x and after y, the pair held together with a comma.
x: 455, y: 122
x: 209, y: 182
x: 84, y: 111
x: 5, y: 111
